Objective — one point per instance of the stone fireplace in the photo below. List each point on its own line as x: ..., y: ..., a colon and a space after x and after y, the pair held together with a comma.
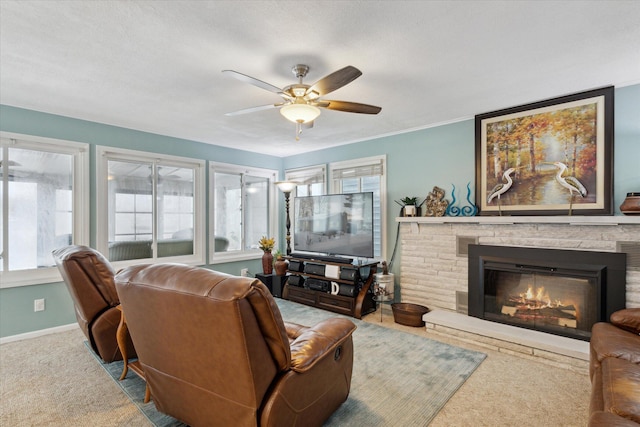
x: 556, y: 291
x: 434, y: 272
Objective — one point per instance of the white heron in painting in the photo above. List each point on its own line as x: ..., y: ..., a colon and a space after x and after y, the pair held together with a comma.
x: 502, y: 187
x: 571, y: 183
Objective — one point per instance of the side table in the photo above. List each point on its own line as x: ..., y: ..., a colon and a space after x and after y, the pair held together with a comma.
x: 121, y: 338
x: 381, y: 299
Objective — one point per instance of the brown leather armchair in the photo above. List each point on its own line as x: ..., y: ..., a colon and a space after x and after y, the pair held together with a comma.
x: 89, y: 279
x: 216, y: 352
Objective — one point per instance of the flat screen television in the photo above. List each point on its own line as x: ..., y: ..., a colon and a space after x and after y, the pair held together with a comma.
x: 334, y: 224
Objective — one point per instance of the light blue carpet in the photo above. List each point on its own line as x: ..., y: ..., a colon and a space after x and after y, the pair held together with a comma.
x: 399, y: 379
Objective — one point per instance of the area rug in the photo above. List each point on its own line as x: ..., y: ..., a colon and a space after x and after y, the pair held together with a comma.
x: 399, y: 379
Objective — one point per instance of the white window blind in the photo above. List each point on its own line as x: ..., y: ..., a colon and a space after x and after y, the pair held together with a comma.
x: 311, y: 180
x: 312, y: 175
x: 351, y: 171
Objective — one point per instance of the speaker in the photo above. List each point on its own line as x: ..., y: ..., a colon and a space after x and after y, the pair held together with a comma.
x: 297, y: 266
x: 347, y: 290
x: 277, y: 284
x: 315, y: 269
x: 295, y: 280
x: 350, y: 274
x: 318, y: 285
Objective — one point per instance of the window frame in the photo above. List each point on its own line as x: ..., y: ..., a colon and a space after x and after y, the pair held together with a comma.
x: 272, y: 212
x: 363, y: 162
x: 103, y: 155
x: 307, y: 171
x: 80, y: 195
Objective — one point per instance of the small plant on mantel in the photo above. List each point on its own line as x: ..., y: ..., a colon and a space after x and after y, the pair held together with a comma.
x: 408, y: 201
x: 409, y: 205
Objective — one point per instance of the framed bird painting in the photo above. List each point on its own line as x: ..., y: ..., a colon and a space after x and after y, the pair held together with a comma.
x: 552, y: 157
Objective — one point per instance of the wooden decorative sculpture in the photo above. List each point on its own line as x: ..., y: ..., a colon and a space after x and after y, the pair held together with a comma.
x: 436, y: 204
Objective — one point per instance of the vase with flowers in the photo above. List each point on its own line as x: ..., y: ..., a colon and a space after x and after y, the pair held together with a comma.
x: 266, y: 244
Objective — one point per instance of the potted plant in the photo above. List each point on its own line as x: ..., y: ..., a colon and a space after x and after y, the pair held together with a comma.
x: 409, y: 205
x: 279, y: 264
x: 266, y: 244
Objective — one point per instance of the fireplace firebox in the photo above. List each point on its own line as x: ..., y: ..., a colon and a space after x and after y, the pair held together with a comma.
x: 563, y: 292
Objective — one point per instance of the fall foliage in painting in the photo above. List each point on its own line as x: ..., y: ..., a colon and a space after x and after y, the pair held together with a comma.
x: 531, y: 142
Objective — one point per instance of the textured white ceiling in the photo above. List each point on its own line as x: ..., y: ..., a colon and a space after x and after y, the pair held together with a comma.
x: 156, y: 66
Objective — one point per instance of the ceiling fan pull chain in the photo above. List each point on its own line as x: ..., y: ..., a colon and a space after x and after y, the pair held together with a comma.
x: 298, y: 130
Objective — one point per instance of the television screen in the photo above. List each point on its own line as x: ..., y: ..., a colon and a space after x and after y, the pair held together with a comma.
x: 334, y: 224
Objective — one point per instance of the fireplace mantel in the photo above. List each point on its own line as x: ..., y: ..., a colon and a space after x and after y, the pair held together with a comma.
x: 569, y: 220
x: 434, y: 266
x: 433, y: 260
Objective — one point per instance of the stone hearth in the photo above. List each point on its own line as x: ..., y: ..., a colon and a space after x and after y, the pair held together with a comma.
x: 434, y: 265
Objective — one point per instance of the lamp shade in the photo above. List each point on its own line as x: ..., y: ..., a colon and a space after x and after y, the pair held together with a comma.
x: 300, y: 113
x: 286, y: 186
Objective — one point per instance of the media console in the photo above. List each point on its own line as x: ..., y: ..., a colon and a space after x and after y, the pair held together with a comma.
x: 340, y: 287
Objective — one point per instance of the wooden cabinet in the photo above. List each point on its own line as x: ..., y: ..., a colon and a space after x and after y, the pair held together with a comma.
x: 359, y: 304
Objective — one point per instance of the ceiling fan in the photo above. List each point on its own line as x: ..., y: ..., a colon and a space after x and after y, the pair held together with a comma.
x: 301, y: 103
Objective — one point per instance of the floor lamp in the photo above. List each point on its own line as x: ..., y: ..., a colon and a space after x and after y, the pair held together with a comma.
x: 287, y: 187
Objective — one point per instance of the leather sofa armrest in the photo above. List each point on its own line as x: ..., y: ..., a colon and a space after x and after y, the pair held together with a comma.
x: 294, y: 330
x: 627, y: 319
x: 315, y: 342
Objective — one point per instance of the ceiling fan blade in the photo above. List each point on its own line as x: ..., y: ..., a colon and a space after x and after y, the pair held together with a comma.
x: 254, y: 109
x: 350, y: 107
x: 335, y: 80
x: 253, y: 81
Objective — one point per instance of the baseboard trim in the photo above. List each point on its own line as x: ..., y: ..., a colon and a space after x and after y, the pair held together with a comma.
x: 41, y: 332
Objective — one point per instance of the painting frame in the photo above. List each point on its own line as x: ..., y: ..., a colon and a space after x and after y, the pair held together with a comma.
x: 537, y: 140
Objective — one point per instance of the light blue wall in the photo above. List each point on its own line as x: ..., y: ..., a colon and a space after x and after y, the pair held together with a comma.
x: 16, y: 304
x: 626, y: 167
x: 416, y: 161
x: 16, y: 308
x: 445, y: 156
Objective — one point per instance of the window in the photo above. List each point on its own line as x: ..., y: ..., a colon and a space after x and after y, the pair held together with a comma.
x: 44, y: 199
x: 311, y: 180
x: 362, y: 175
x: 242, y: 206
x: 150, y: 207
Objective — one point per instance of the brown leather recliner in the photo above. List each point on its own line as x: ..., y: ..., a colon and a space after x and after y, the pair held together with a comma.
x: 89, y: 279
x: 216, y: 352
x: 615, y: 370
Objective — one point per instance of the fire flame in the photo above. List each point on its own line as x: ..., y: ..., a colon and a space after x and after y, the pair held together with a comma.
x: 537, y: 295
x: 537, y: 298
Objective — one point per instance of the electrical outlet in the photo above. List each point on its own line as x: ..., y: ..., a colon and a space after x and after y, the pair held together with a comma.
x: 38, y: 304
x: 244, y: 272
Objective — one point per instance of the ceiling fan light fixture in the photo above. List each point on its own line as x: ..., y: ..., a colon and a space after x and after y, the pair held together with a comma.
x: 300, y: 113
x: 299, y: 90
x: 312, y: 94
